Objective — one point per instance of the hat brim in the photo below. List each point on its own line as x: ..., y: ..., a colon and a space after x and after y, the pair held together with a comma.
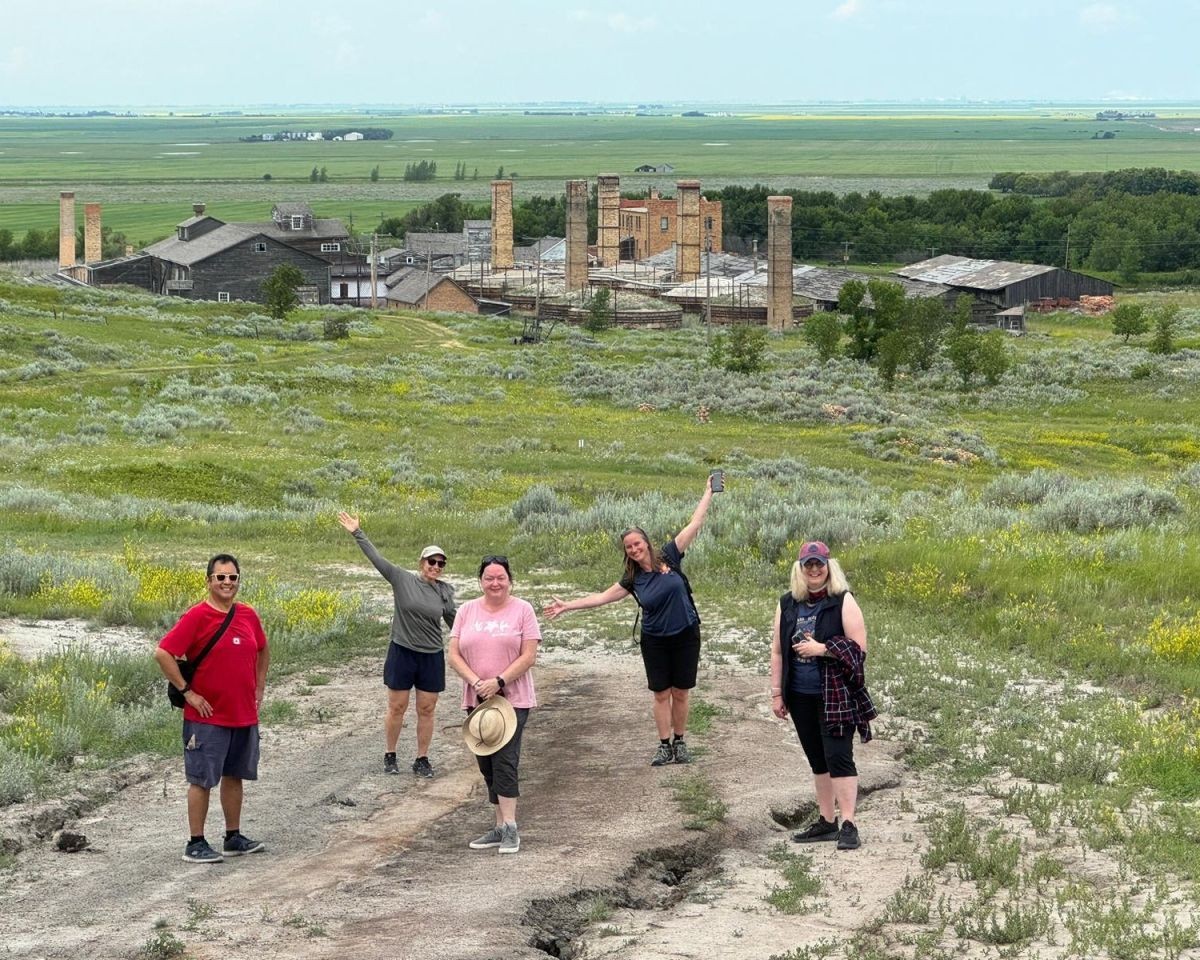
x: 506, y: 712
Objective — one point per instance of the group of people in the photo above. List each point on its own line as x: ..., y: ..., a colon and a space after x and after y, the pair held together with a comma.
x: 818, y: 651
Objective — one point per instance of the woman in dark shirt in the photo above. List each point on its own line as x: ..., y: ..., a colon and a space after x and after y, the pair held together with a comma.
x: 670, y: 625
x: 819, y: 643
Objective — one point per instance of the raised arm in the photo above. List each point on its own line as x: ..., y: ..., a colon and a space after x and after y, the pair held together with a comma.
x: 684, y: 538
x: 556, y: 606
x: 385, y: 567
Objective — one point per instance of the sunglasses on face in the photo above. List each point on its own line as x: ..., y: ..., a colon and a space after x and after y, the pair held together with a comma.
x: 222, y: 577
x: 813, y: 565
x: 435, y: 562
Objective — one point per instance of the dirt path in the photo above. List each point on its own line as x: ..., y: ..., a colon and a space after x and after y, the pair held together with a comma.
x: 365, y: 866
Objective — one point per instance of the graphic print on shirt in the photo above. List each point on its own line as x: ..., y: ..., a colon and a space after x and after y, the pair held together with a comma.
x: 492, y: 627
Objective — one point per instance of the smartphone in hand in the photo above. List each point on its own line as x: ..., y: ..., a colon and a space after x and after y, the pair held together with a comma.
x: 718, y: 480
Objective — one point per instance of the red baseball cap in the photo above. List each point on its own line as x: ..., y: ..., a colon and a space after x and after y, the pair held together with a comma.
x: 814, y: 550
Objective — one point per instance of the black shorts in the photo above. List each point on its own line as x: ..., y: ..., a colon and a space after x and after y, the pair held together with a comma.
x: 405, y: 669
x: 211, y: 752
x: 672, y: 661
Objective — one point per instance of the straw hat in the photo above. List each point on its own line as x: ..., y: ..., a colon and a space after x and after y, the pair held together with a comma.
x: 489, y: 726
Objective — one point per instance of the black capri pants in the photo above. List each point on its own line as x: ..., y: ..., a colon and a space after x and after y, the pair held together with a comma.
x: 826, y: 753
x: 499, y: 769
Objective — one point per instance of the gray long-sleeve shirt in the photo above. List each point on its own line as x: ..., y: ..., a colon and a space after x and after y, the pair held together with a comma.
x: 419, y: 604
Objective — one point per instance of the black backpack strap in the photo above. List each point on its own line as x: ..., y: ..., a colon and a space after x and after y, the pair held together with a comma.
x: 215, y: 637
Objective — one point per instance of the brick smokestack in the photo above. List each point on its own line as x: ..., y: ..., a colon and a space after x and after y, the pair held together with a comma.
x: 197, y: 209
x: 577, y: 201
x: 687, y: 236
x: 66, y: 229
x: 608, y: 229
x: 779, y: 263
x: 92, y: 247
x: 502, y: 224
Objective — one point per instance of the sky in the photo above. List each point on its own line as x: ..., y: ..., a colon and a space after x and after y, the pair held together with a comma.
x: 247, y: 52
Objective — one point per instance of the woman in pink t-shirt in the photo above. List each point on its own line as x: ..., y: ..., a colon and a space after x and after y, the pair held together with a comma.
x: 493, y: 645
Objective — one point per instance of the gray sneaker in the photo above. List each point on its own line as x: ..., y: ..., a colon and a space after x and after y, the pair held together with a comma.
x: 490, y: 839
x: 422, y: 767
x: 200, y: 852
x: 510, y: 840
x: 682, y: 753
x: 663, y: 755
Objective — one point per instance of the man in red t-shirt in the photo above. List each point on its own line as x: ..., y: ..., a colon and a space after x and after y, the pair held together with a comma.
x: 220, y: 720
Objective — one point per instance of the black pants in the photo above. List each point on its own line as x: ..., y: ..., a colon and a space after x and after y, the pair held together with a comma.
x: 499, y: 769
x: 826, y: 753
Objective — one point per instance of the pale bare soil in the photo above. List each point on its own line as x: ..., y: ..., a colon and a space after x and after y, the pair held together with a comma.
x: 361, y: 865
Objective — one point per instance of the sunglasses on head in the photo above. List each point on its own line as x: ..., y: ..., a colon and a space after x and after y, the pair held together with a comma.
x: 222, y: 577
x: 435, y: 562
x: 495, y: 558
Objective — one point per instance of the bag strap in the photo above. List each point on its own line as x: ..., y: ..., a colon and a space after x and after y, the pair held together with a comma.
x: 215, y: 637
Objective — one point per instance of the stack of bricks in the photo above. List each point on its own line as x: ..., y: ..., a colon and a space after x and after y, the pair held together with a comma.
x: 577, y: 264
x: 92, y: 246
x: 66, y: 230
x: 687, y: 241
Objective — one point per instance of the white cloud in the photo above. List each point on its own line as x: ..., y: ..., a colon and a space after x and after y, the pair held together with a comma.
x: 846, y: 10
x: 1100, y: 16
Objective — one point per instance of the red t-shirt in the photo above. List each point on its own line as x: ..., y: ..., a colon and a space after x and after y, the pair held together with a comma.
x: 227, y: 676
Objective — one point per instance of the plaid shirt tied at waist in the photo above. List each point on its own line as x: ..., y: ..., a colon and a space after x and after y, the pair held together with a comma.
x: 846, y: 700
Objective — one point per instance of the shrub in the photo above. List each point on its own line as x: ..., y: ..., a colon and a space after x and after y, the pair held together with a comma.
x: 336, y: 327
x: 1095, y: 505
x: 599, y: 311
x: 823, y: 331
x: 539, y: 499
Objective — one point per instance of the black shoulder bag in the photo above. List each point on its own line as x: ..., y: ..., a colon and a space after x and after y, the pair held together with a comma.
x: 189, y: 667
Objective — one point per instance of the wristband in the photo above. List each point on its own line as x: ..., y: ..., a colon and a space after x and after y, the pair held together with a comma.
x: 186, y: 687
x: 500, y: 680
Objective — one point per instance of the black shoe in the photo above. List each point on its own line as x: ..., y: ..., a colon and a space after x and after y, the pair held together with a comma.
x: 821, y: 830
x: 682, y: 753
x: 198, y: 851
x: 389, y: 763
x: 663, y: 755
x: 238, y: 846
x: 848, y: 837
x: 423, y: 768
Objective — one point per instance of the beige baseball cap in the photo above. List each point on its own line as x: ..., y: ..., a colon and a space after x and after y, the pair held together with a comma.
x: 433, y: 551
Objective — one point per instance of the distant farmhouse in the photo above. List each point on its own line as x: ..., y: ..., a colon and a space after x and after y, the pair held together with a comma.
x: 655, y: 168
x: 209, y: 259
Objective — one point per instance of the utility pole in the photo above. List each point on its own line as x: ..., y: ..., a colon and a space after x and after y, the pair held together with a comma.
x: 845, y: 251
x: 374, y: 268
x: 428, y: 273
x: 1067, y: 255
x: 707, y: 282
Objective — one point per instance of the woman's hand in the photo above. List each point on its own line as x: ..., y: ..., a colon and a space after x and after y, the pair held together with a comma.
x: 809, y: 648
x: 554, y: 608
x: 486, y: 689
x: 778, y: 707
x: 347, y: 521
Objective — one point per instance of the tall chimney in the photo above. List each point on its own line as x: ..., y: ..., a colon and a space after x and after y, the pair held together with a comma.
x: 687, y: 237
x: 608, y: 223
x: 779, y: 263
x: 92, y: 247
x: 502, y: 225
x: 66, y: 229
x: 198, y: 209
x: 577, y: 198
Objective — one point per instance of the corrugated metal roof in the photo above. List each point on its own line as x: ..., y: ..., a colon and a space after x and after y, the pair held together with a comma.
x: 974, y: 274
x: 412, y: 288
x: 292, y: 210
x: 825, y: 283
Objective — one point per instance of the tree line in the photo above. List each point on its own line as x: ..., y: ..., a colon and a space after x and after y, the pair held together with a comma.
x: 43, y: 244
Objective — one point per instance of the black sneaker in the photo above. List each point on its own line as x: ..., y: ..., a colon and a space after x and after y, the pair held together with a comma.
x: 848, y: 838
x: 663, y: 755
x: 198, y: 851
x: 682, y: 753
x: 389, y: 763
x: 821, y: 830
x: 238, y: 845
x: 423, y: 768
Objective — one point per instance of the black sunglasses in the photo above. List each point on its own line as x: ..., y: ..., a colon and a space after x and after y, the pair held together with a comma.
x: 435, y: 562
x: 222, y: 577
x: 812, y: 564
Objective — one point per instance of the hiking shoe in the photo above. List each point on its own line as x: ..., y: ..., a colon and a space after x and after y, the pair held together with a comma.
x: 490, y: 839
x: 821, y: 830
x: 510, y: 840
x: 682, y: 753
x: 423, y: 768
x: 198, y: 851
x: 848, y: 838
x: 238, y: 845
x: 663, y: 755
x: 389, y: 763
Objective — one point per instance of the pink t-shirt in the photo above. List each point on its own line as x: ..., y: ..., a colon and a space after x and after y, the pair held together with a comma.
x: 490, y: 640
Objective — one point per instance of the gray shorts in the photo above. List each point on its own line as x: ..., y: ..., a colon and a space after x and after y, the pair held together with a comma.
x: 211, y: 752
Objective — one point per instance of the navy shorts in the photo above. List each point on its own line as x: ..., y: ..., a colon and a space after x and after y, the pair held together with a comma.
x: 211, y: 752
x: 672, y: 661
x: 405, y: 669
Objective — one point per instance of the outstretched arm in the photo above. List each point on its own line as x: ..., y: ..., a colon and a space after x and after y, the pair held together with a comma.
x: 557, y: 606
x: 684, y: 538
x: 385, y: 567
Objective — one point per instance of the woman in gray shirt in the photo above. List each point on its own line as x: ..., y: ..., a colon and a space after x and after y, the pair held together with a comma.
x: 416, y: 655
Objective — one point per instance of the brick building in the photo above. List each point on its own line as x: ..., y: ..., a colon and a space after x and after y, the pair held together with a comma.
x: 421, y: 290
x: 649, y: 226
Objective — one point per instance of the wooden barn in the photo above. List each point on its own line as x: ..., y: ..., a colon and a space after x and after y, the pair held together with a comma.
x: 1004, y: 284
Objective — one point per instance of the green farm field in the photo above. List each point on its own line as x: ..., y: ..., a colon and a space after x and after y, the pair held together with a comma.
x: 171, y: 159
x: 1027, y: 554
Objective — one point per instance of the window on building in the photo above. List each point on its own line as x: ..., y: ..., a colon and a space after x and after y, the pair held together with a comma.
x: 664, y: 224
x: 410, y: 260
x: 330, y: 247
x: 708, y: 223
x: 223, y: 296
x: 260, y: 246
x: 343, y: 291
x: 297, y: 223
